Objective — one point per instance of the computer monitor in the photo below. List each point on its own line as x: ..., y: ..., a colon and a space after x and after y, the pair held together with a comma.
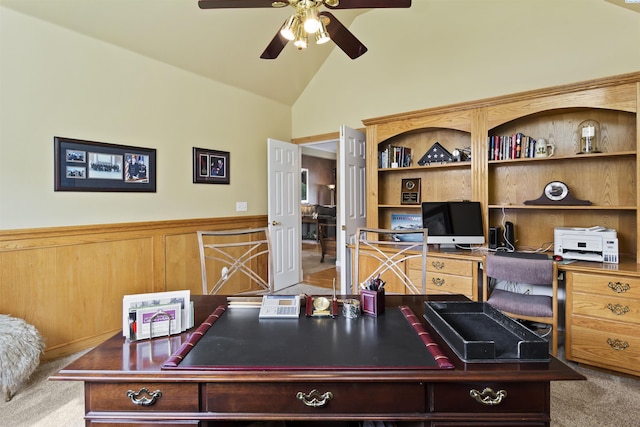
x: 452, y: 224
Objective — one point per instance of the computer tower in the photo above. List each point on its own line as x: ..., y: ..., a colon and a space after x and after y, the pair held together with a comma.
x: 509, y: 236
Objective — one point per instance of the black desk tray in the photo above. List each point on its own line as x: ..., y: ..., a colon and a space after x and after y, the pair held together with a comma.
x: 478, y: 332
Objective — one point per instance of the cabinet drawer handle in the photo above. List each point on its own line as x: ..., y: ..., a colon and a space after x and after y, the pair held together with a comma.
x: 438, y: 265
x: 437, y: 281
x: 617, y: 344
x: 144, y: 397
x: 618, y: 309
x: 488, y: 396
x: 618, y: 287
x: 314, y: 398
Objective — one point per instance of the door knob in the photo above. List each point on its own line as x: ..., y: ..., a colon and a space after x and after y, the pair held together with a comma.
x: 276, y: 223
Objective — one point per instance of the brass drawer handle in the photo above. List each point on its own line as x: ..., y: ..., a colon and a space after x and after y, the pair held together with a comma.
x: 618, y: 287
x: 314, y: 398
x: 438, y: 265
x: 488, y: 396
x: 618, y: 309
x: 437, y: 281
x: 144, y: 397
x: 617, y: 344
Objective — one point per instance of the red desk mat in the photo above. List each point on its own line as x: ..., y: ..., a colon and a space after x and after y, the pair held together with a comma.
x: 236, y: 339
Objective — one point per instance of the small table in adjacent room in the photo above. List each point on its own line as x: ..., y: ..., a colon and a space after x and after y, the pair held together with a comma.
x: 311, y: 233
x: 237, y: 367
x: 327, y: 236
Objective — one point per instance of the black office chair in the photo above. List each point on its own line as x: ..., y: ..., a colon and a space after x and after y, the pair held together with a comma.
x: 533, y: 308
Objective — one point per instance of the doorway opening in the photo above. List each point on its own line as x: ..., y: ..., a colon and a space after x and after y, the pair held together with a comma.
x: 319, y: 213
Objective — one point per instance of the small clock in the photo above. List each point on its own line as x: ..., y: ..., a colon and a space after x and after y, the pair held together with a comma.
x: 556, y: 192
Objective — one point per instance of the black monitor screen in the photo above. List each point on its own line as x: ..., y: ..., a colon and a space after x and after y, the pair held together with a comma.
x: 453, y: 222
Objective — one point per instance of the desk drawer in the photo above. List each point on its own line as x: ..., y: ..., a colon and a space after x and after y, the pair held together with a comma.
x: 114, y: 397
x: 606, y: 285
x: 287, y: 398
x: 503, y: 397
x: 606, y: 307
x: 450, y: 266
x: 614, y: 344
x: 449, y: 284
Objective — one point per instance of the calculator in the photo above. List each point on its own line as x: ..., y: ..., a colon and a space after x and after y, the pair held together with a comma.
x: 279, y: 306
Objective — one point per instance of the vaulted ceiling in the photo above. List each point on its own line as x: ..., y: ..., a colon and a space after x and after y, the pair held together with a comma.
x: 223, y: 44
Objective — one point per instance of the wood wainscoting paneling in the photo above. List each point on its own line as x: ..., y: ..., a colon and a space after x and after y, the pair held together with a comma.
x: 69, y: 281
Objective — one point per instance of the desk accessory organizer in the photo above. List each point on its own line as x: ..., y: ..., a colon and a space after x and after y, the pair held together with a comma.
x: 478, y: 332
x: 372, y: 302
x: 157, y: 314
x: 372, y: 297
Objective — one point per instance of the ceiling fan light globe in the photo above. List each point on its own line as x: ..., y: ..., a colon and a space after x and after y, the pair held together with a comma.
x: 301, y: 38
x: 300, y: 43
x: 311, y: 25
x: 289, y: 29
x: 322, y: 36
x: 311, y: 20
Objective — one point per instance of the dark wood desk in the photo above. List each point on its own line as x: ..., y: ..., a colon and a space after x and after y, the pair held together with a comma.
x: 117, y: 373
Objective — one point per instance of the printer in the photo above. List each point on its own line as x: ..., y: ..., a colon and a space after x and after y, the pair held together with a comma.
x: 597, y: 243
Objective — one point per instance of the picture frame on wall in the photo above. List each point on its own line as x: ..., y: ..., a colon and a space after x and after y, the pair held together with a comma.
x: 81, y: 165
x: 210, y: 166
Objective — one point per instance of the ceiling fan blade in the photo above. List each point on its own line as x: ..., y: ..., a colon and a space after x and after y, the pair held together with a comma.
x: 343, y: 38
x: 275, y: 47
x: 234, y: 4
x: 370, y: 4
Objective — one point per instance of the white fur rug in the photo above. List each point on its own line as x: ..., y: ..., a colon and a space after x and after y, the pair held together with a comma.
x: 20, y: 349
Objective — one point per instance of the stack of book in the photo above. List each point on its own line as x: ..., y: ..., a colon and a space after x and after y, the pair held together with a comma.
x: 516, y: 146
x: 394, y: 157
x: 156, y: 314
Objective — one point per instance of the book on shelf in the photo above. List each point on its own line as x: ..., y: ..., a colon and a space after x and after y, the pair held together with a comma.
x: 394, y: 156
x: 507, y: 147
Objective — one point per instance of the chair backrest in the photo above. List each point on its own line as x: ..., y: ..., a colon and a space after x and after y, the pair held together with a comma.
x: 224, y: 253
x: 389, y: 250
x: 533, y: 271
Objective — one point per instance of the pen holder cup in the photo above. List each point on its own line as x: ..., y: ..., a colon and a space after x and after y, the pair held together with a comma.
x: 372, y: 302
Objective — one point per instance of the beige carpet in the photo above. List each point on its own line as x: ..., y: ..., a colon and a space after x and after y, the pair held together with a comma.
x: 603, y: 400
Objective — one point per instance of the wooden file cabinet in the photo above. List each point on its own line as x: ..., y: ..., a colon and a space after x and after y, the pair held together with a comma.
x: 603, y: 318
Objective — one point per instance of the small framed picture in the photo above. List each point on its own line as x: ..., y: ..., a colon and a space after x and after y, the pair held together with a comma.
x: 97, y: 166
x: 210, y: 166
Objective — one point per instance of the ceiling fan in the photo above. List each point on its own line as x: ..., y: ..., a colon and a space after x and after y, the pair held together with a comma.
x: 308, y: 21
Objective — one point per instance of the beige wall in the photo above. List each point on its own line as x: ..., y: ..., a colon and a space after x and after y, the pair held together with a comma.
x: 440, y: 52
x: 54, y: 82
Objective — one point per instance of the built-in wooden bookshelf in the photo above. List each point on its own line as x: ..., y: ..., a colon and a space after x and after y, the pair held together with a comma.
x: 602, y: 300
x: 607, y: 179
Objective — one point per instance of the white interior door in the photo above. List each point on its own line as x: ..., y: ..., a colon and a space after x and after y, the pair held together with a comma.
x: 352, y: 196
x: 284, y: 212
